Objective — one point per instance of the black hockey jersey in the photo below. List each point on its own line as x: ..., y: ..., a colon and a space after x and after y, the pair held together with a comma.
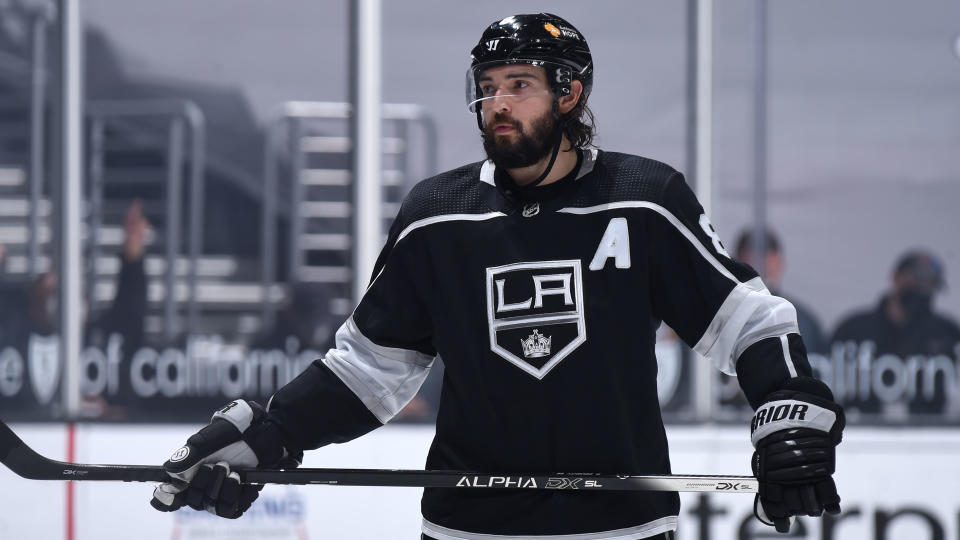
x: 543, y: 306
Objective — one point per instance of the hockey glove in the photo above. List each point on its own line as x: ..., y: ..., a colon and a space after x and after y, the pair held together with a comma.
x: 795, y: 433
x: 237, y: 436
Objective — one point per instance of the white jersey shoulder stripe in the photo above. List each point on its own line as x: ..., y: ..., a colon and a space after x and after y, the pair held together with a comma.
x: 748, y: 314
x: 430, y: 221
x: 653, y: 528
x: 385, y: 379
x: 420, y: 223
x: 672, y: 219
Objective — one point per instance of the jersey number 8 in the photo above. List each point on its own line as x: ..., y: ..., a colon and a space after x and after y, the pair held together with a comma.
x: 712, y: 233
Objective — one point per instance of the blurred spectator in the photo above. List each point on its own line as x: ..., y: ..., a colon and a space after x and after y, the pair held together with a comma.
x: 124, y: 318
x: 734, y: 405
x: 810, y: 328
x: 903, y: 328
x: 126, y: 314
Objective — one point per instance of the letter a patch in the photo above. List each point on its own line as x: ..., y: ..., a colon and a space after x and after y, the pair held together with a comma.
x: 615, y: 243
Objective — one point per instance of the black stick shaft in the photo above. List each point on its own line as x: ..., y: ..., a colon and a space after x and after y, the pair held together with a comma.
x: 24, y: 461
x: 462, y: 479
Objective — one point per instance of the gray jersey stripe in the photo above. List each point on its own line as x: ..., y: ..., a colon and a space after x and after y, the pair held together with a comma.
x: 385, y: 379
x: 745, y: 318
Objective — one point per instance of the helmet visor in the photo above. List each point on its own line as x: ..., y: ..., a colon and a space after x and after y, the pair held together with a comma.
x: 481, y: 88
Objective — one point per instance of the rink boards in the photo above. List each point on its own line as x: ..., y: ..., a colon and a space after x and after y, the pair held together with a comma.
x: 896, y: 484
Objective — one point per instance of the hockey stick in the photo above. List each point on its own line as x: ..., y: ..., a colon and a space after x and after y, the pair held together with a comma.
x: 24, y: 461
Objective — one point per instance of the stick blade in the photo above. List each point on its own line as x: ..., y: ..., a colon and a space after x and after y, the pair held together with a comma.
x: 22, y: 460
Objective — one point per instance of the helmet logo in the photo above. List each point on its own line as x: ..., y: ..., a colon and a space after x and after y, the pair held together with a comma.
x: 563, y: 79
x: 492, y: 44
x: 570, y: 33
x: 554, y: 31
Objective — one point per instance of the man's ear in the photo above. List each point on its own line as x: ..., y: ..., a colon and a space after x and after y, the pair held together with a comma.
x: 567, y: 103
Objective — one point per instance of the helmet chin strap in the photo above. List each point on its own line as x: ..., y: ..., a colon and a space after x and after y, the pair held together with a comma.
x: 558, y: 136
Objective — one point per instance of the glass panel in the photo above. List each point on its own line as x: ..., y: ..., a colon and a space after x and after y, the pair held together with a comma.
x: 187, y: 119
x: 31, y: 373
x: 862, y: 171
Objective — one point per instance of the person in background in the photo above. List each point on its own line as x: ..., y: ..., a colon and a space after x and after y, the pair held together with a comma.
x: 124, y: 317
x: 810, y: 329
x: 127, y: 312
x: 731, y: 397
x: 904, y: 324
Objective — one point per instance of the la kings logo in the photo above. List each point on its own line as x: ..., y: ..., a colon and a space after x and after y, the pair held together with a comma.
x: 535, y: 313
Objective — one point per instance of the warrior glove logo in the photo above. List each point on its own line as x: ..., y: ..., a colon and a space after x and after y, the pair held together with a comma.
x: 181, y: 454
x: 535, y: 313
x: 789, y: 414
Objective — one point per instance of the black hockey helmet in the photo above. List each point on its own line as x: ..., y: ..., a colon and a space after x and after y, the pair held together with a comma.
x: 540, y: 39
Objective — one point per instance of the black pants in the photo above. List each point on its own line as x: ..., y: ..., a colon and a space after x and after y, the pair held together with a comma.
x: 665, y: 536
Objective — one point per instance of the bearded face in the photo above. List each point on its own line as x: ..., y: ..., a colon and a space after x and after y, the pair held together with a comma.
x: 520, y: 148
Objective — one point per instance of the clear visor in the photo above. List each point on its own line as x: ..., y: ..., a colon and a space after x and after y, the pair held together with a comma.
x: 481, y: 88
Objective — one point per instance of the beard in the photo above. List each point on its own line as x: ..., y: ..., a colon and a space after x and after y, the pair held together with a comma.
x: 525, y: 149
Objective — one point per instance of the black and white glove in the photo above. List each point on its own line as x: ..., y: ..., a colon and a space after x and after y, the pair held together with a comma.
x: 237, y: 436
x: 795, y: 433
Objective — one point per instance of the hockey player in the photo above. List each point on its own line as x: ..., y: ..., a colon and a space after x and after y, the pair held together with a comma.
x: 540, y: 277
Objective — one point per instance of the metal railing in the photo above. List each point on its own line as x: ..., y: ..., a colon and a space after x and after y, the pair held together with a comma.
x: 32, y: 73
x: 39, y: 79
x: 182, y: 115
x: 186, y: 122
x: 288, y: 124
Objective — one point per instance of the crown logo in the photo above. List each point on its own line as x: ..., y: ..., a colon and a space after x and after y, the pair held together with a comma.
x: 536, y: 345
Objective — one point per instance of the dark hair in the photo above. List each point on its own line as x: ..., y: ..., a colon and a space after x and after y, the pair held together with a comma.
x: 924, y: 266
x: 581, y: 125
x: 745, y: 242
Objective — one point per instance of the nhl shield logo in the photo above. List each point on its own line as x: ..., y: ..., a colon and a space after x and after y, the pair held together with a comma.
x: 535, y: 313
x: 44, y: 361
